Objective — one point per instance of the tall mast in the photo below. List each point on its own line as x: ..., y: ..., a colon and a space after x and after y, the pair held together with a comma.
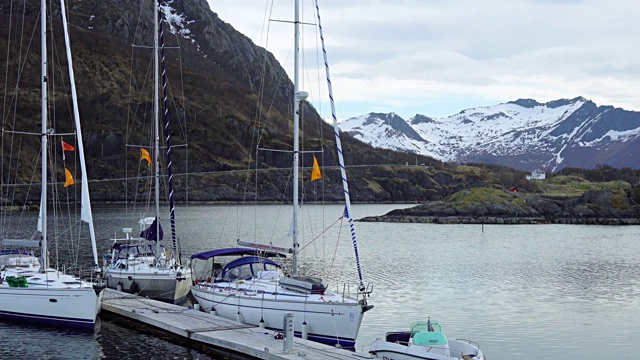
x: 156, y: 130
x: 296, y: 135
x: 43, y: 198
x: 167, y: 134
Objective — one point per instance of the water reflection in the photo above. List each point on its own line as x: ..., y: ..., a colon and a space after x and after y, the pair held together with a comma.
x: 18, y: 340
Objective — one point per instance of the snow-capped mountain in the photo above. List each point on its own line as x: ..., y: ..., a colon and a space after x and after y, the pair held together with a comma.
x: 522, y: 134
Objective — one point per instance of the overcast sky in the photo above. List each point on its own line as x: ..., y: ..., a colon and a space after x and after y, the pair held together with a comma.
x: 438, y: 57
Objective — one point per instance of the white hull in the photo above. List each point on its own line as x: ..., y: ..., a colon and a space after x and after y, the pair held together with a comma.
x: 456, y: 349
x: 330, y: 318
x: 52, y: 298
x: 168, y: 285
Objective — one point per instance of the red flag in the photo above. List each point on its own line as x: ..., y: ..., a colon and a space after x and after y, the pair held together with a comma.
x: 67, y: 147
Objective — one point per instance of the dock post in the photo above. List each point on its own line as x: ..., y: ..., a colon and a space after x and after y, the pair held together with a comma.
x: 288, y: 332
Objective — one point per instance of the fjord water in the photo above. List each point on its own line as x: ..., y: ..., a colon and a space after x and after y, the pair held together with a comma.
x: 520, y: 291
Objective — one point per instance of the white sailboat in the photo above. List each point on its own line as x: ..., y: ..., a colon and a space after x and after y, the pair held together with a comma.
x: 30, y: 289
x: 140, y: 264
x: 252, y: 288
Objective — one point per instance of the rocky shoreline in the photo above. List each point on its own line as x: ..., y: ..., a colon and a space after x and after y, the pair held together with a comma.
x: 592, y: 208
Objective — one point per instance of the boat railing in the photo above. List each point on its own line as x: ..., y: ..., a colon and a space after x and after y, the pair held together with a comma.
x: 472, y: 343
x: 453, y: 353
x: 351, y: 290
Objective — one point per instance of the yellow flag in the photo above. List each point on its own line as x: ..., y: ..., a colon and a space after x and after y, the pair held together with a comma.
x: 145, y: 156
x: 68, y: 178
x: 315, y: 173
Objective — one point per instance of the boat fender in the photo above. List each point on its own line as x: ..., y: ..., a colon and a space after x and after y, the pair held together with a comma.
x: 119, y: 286
x: 134, y: 287
x: 305, y: 330
x: 261, y: 324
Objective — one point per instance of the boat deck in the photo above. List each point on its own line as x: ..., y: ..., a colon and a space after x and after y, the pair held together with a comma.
x: 227, y: 335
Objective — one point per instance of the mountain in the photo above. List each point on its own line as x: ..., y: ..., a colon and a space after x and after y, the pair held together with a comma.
x: 522, y: 134
x: 216, y: 77
x: 388, y: 131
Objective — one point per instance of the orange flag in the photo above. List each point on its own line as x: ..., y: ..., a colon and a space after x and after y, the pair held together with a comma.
x: 67, y: 147
x: 315, y: 173
x: 145, y: 156
x: 68, y: 178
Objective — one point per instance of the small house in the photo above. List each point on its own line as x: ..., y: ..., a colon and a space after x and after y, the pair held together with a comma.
x: 514, y: 189
x: 537, y: 174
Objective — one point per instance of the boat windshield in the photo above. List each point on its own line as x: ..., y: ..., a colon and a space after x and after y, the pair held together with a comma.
x: 247, y: 267
x: 135, y: 251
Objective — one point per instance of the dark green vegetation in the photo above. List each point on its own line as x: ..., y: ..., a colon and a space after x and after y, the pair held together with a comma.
x: 564, y: 199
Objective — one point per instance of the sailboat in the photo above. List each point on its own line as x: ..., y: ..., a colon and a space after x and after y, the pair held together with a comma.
x: 140, y: 264
x: 248, y: 284
x: 30, y: 289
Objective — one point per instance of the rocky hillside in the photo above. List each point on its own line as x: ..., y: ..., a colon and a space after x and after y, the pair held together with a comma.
x: 215, y: 75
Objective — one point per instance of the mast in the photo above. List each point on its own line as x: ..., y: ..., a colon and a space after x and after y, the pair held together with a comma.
x: 167, y: 135
x: 85, y: 205
x: 43, y: 196
x: 296, y: 135
x: 156, y: 111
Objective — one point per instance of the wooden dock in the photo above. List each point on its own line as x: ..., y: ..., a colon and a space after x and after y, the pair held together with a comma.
x: 223, y: 334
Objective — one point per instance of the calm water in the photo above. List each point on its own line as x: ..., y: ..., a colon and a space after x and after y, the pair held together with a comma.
x: 522, y: 291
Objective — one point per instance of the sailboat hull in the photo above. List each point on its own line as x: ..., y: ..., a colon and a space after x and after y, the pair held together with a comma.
x: 73, y: 307
x: 169, y: 286
x: 330, y: 319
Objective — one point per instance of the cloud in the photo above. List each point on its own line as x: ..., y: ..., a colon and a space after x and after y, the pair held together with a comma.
x: 396, y: 55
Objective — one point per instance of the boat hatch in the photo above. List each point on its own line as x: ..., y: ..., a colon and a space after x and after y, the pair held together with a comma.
x: 304, y: 284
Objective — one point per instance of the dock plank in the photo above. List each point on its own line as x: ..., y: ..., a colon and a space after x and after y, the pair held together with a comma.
x: 216, y: 331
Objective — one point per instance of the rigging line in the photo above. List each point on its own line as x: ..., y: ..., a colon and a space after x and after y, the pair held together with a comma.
x: 322, y: 233
x: 258, y: 114
x: 6, y: 72
x: 343, y: 172
x: 282, y: 200
x: 21, y: 65
x: 255, y: 134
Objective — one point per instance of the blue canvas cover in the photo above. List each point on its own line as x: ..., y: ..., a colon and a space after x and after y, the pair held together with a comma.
x: 235, y: 252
